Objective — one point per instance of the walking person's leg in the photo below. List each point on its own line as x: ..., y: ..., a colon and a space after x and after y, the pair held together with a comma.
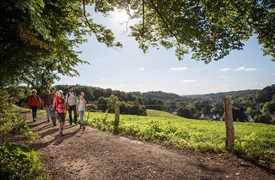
x: 81, y: 115
x: 48, y: 111
x: 59, y: 118
x: 53, y: 116
x: 34, y: 112
x: 75, y: 114
x: 70, y: 114
x: 33, y: 116
x: 62, y: 123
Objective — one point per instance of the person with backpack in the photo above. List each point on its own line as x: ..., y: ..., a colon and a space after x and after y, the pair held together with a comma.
x: 34, y: 102
x: 59, y: 106
x: 71, y: 105
x: 81, y: 104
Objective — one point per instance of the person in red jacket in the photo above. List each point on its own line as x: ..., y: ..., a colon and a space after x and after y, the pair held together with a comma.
x: 59, y: 105
x: 33, y: 103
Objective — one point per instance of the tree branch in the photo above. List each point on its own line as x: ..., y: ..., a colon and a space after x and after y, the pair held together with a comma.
x: 87, y: 21
x: 165, y: 20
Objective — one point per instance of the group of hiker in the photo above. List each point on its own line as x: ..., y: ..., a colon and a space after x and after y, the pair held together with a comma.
x: 57, y: 105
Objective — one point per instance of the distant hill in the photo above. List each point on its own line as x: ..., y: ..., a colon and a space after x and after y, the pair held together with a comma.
x: 263, y: 95
x: 222, y: 95
x: 157, y: 95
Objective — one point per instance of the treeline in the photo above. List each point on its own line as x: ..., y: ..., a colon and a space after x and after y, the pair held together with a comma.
x: 105, y: 99
x: 248, y: 105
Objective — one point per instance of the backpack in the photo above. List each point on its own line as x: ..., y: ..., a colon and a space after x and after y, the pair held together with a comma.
x: 78, y: 100
x: 68, y: 94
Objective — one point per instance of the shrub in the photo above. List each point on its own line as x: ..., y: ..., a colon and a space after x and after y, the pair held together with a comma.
x: 18, y: 162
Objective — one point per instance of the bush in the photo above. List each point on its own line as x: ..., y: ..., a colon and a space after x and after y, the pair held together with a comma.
x: 18, y: 162
x: 264, y: 118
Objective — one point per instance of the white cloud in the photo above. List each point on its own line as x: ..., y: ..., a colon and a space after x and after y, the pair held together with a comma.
x: 240, y: 68
x: 178, y: 69
x: 245, y: 69
x: 222, y: 76
x: 226, y: 86
x: 250, y: 69
x: 188, y: 81
x: 142, y: 69
x: 257, y: 85
x: 226, y: 69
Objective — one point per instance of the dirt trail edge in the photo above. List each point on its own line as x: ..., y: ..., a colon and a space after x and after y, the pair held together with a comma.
x: 93, y: 154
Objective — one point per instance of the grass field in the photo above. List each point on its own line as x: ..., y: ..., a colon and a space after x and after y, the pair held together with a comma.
x: 253, y: 141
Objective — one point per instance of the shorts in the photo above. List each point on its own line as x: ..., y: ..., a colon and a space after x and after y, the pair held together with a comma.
x: 60, y: 117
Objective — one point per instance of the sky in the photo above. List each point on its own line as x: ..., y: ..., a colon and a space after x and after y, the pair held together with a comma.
x: 129, y: 69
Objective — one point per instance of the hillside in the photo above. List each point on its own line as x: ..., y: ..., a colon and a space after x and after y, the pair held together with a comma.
x: 222, y: 95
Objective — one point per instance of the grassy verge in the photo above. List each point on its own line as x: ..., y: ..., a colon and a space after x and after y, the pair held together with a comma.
x: 253, y: 141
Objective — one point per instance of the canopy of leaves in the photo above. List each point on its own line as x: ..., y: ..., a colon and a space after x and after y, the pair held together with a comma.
x: 40, y: 35
x: 47, y: 32
x: 208, y: 29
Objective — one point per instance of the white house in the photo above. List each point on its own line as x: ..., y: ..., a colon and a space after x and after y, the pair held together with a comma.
x: 250, y: 119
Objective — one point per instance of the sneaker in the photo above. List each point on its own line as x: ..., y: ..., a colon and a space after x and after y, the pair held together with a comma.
x: 54, y: 124
x: 70, y: 123
x: 83, y: 128
x: 34, y: 120
x: 75, y: 123
x: 61, y: 134
x: 48, y: 120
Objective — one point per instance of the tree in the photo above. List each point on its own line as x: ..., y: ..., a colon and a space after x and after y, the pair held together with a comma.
x: 264, y: 118
x: 183, y: 112
x: 266, y: 94
x: 210, y: 30
x: 269, y: 107
x: 17, y: 93
x: 238, y: 113
x: 111, y: 102
x: 192, y: 110
x: 48, y: 30
x: 38, y: 31
x: 98, y: 92
x: 102, y: 104
x: 88, y: 94
x: 40, y: 76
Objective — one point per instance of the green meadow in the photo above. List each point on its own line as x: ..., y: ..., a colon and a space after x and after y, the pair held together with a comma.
x: 253, y: 141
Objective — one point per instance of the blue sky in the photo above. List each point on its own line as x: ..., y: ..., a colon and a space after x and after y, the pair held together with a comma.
x: 129, y: 69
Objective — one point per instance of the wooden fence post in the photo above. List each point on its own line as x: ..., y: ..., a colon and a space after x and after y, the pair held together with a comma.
x: 230, y: 134
x: 117, y: 113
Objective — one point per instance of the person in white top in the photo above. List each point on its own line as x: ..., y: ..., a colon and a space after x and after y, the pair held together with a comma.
x: 81, y: 105
x: 71, y: 105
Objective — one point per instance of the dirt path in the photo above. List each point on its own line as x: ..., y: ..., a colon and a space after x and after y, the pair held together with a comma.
x: 96, y: 155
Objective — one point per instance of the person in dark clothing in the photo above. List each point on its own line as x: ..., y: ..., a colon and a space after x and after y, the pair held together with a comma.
x: 71, y: 105
x: 33, y: 103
